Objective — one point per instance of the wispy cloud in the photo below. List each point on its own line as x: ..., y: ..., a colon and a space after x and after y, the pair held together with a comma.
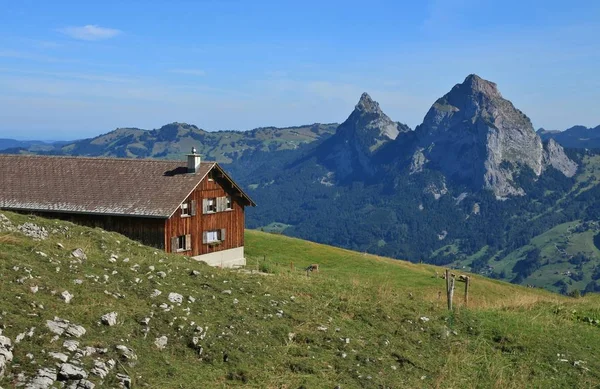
x: 190, y: 72
x: 27, y: 55
x: 72, y: 75
x: 90, y: 32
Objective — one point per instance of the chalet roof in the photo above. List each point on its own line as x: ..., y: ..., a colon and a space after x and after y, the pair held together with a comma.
x: 110, y: 186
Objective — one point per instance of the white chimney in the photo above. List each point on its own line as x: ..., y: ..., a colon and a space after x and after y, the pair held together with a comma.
x: 193, y: 161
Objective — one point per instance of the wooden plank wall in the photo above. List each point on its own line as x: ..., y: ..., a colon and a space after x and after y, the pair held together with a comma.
x: 232, y: 221
x: 149, y: 231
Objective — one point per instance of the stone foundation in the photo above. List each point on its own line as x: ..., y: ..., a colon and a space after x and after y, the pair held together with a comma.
x: 224, y: 258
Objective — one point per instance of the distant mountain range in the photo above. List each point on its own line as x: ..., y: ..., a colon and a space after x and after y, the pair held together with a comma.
x: 579, y: 137
x: 33, y: 145
x: 473, y: 186
x: 173, y: 140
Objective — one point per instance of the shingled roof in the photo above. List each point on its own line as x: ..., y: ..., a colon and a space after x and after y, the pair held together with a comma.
x: 108, y: 186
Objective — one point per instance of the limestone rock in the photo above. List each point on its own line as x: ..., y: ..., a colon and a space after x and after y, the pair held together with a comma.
x: 126, y: 353
x: 33, y: 231
x: 66, y: 296
x: 60, y: 356
x: 475, y: 136
x: 71, y: 345
x: 161, y: 342
x: 350, y: 150
x: 124, y: 380
x: 101, y: 368
x: 82, y: 384
x: 68, y: 371
x: 6, y: 355
x: 554, y: 155
x: 44, y: 379
x: 79, y: 254
x: 155, y: 293
x: 109, y: 319
x: 175, y: 298
x: 61, y: 326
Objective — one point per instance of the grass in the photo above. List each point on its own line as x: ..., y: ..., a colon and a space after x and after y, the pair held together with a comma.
x: 362, y: 321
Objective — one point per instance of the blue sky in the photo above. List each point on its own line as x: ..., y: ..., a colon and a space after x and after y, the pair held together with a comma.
x: 73, y: 70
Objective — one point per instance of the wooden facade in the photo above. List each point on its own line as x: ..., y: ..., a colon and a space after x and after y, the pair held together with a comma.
x: 149, y: 231
x: 194, y: 226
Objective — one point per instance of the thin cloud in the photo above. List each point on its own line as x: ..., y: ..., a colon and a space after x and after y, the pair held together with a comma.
x: 190, y: 72
x: 90, y: 32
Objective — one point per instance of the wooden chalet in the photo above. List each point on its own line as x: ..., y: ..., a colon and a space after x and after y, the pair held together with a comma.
x: 194, y: 209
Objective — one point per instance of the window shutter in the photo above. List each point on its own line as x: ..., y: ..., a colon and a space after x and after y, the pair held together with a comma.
x: 204, y: 238
x: 219, y: 204
x: 193, y: 208
x: 204, y: 206
x: 174, y: 244
x: 188, y: 242
x: 222, y: 234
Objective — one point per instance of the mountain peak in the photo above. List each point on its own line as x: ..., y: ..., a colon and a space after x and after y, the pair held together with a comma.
x: 367, y: 104
x: 476, y: 84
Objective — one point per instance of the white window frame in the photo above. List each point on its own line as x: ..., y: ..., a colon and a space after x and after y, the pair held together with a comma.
x: 185, y: 210
x: 212, y: 236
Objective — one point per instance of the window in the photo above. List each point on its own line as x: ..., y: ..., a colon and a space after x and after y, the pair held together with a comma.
x: 217, y: 204
x: 213, y: 236
x: 181, y: 243
x: 209, y: 205
x: 211, y: 176
x: 188, y: 209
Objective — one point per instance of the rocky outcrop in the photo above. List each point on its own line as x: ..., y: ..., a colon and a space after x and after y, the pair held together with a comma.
x: 478, y: 138
x: 554, y: 155
x: 6, y: 355
x: 351, y: 149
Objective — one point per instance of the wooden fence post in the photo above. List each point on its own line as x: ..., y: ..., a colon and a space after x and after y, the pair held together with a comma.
x: 467, y: 282
x: 450, y: 289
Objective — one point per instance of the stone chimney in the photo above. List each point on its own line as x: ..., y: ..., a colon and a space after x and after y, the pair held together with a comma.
x: 193, y: 161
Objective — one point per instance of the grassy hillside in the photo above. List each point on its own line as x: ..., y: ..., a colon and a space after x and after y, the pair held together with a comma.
x: 362, y: 321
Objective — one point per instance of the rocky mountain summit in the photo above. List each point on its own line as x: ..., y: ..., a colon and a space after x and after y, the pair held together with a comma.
x: 358, y: 138
x: 477, y: 137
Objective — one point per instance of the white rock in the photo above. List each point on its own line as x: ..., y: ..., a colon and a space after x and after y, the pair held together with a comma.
x: 71, y: 345
x: 124, y: 380
x: 60, y: 326
x: 81, y: 384
x: 109, y: 319
x: 161, y: 342
x: 191, y: 299
x: 79, y: 254
x: 60, y: 356
x: 126, y: 352
x: 155, y: 293
x: 68, y: 371
x: 175, y: 298
x: 66, y: 296
x: 44, y: 379
x: 226, y: 291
